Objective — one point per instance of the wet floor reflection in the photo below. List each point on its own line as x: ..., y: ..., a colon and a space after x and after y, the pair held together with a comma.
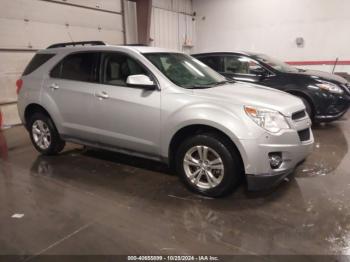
x: 4, y: 163
x: 301, y: 216
x: 284, y: 217
x: 3, y: 147
x: 329, y: 150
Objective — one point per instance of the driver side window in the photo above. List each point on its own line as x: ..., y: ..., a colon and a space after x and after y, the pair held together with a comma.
x: 242, y: 65
x: 118, y: 67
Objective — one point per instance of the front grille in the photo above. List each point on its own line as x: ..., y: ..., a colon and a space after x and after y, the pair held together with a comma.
x: 299, y: 115
x: 304, y: 134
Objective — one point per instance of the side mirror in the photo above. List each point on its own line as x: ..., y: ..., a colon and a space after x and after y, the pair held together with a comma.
x: 141, y: 81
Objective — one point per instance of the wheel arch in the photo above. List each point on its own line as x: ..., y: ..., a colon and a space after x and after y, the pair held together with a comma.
x: 305, y: 96
x: 31, y: 109
x: 194, y: 129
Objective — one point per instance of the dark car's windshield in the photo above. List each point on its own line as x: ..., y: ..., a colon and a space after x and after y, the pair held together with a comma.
x: 185, y: 71
x: 274, y: 63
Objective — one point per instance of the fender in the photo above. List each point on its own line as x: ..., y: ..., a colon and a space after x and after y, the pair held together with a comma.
x: 213, y: 115
x: 302, y: 93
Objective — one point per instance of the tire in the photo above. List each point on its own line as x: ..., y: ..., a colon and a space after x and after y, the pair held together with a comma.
x: 197, y: 176
x: 308, y: 107
x: 44, y: 134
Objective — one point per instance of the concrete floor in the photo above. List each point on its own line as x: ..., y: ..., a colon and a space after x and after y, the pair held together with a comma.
x: 92, y: 202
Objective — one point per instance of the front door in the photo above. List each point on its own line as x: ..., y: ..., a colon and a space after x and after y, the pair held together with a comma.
x: 126, y: 117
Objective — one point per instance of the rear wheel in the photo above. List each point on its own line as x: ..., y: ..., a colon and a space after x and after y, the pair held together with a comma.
x: 208, y: 165
x: 44, y: 135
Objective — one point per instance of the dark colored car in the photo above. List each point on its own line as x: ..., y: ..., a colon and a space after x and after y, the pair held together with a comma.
x: 326, y: 96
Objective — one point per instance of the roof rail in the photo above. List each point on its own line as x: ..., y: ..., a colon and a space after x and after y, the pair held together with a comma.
x: 76, y: 43
x: 135, y: 45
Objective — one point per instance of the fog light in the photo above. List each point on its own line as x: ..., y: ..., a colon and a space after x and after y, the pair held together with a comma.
x: 275, y: 159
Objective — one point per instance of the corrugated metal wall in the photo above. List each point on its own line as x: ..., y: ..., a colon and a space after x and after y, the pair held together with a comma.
x: 26, y: 25
x: 172, y: 25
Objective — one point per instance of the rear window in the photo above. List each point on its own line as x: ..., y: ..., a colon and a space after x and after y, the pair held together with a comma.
x: 36, y: 62
x: 78, y: 67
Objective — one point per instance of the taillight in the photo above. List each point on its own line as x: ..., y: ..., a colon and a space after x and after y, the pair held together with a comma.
x: 19, y: 84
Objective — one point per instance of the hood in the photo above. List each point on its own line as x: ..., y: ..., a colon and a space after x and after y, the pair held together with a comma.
x: 324, y: 76
x: 254, y: 95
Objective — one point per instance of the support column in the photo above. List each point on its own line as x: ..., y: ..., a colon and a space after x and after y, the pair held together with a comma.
x: 144, y: 12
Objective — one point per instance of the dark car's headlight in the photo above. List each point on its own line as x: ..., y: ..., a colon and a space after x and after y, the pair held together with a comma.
x: 330, y: 87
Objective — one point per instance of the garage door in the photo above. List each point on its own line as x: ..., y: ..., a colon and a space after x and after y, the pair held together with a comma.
x: 172, y: 24
x: 28, y: 25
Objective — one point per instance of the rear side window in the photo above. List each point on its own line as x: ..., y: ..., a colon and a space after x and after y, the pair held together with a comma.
x: 214, y: 62
x: 78, y: 67
x: 241, y: 65
x: 36, y: 62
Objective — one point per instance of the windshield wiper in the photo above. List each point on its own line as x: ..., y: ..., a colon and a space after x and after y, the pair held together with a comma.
x: 212, y: 85
x: 224, y: 82
x: 201, y: 86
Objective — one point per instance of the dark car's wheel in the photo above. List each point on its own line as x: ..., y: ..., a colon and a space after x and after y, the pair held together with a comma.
x: 44, y: 135
x: 208, y: 165
x: 308, y: 108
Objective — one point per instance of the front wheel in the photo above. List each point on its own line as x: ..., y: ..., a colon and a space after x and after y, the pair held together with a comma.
x: 44, y: 135
x: 308, y: 107
x: 208, y: 165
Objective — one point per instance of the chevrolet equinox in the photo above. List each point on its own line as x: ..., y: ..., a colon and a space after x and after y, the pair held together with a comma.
x: 167, y: 106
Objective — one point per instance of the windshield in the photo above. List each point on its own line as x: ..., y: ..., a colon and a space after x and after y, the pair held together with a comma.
x: 276, y: 64
x: 185, y: 71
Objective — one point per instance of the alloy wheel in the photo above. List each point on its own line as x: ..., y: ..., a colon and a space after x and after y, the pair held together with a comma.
x: 203, y: 167
x: 41, y: 134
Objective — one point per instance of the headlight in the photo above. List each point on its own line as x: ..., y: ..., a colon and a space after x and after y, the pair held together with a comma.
x: 332, y: 88
x: 270, y: 120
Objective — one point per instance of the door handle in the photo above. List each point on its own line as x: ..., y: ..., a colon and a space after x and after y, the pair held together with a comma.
x: 54, y: 86
x: 102, y: 95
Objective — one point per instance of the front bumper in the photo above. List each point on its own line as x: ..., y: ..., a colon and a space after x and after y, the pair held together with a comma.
x: 257, y: 183
x: 333, y: 108
x: 266, y: 181
x: 329, y: 118
x: 260, y: 175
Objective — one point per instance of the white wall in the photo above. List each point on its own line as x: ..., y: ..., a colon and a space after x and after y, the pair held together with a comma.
x: 26, y: 25
x: 271, y: 26
x: 172, y: 25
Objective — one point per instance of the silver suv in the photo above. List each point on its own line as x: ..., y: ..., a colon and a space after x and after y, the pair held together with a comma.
x: 166, y: 106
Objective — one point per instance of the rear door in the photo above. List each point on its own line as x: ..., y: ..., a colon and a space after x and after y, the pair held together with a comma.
x: 68, y: 92
x: 126, y: 117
